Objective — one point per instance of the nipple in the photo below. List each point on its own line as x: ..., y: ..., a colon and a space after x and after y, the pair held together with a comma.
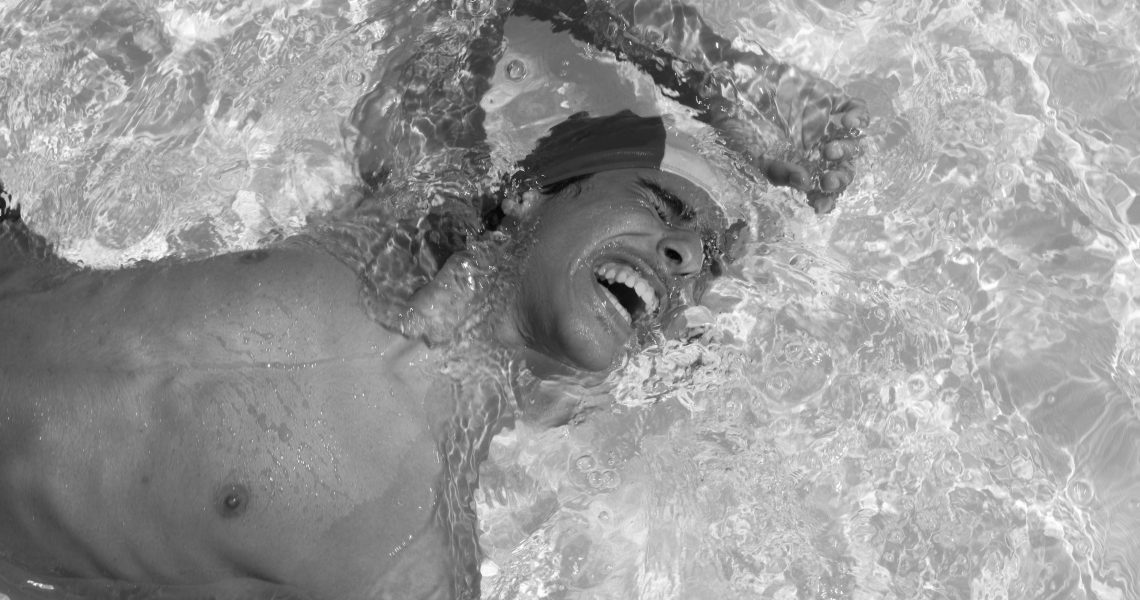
x: 232, y: 500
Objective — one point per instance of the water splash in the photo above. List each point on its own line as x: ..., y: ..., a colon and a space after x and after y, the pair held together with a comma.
x: 930, y: 393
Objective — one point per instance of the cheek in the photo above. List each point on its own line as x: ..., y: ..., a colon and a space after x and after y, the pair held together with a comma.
x: 537, y: 299
x: 546, y: 270
x: 556, y: 238
x: 583, y: 339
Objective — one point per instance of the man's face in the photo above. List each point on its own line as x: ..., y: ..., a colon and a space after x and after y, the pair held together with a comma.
x: 606, y: 255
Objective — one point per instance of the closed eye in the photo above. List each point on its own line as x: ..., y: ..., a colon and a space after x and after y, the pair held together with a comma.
x: 666, y: 203
x: 665, y: 215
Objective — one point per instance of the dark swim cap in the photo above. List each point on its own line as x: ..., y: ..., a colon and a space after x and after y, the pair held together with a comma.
x: 584, y: 145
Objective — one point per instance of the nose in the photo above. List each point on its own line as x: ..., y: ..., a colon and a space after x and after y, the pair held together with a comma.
x: 682, y: 252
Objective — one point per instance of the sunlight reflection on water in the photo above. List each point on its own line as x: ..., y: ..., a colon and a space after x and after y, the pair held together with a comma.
x: 932, y: 392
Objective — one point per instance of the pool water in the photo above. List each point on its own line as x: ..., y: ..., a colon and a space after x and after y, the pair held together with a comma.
x: 933, y: 392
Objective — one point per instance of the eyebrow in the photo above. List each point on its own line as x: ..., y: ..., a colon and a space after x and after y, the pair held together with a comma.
x: 669, y: 199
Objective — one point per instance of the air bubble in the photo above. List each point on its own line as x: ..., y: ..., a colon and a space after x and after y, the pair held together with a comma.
x: 516, y: 70
x: 951, y: 466
x: 1025, y: 44
x: 1007, y: 174
x: 881, y: 458
x: 488, y: 569
x: 978, y: 137
x: 779, y: 383
x: 1080, y: 492
x: 1022, y: 468
x: 779, y: 426
x: 927, y: 520
x: 895, y: 426
x: 731, y: 408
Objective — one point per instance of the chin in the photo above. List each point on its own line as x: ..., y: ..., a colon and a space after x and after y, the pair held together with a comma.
x: 596, y: 363
x: 585, y: 340
x: 595, y: 356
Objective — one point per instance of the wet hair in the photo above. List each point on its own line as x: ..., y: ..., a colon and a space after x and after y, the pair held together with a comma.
x: 9, y: 211
x: 493, y: 215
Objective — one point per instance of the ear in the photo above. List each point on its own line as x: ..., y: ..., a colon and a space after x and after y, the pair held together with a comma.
x: 518, y: 207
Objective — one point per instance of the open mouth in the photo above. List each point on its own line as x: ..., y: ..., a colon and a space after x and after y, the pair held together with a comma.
x: 631, y: 293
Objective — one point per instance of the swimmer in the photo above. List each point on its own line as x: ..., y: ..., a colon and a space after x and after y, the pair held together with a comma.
x: 253, y: 425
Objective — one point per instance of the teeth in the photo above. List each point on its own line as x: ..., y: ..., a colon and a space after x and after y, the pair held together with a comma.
x: 625, y: 275
x: 622, y: 310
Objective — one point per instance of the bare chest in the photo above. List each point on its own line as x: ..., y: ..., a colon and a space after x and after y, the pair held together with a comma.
x: 287, y: 441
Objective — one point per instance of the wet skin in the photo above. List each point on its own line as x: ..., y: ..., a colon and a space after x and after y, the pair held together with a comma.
x: 238, y: 424
x: 234, y: 418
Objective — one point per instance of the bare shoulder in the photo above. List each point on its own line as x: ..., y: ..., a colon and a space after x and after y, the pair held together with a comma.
x: 309, y: 275
x: 273, y: 304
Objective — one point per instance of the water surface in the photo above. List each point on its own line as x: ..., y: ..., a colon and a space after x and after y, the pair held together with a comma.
x: 931, y: 393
